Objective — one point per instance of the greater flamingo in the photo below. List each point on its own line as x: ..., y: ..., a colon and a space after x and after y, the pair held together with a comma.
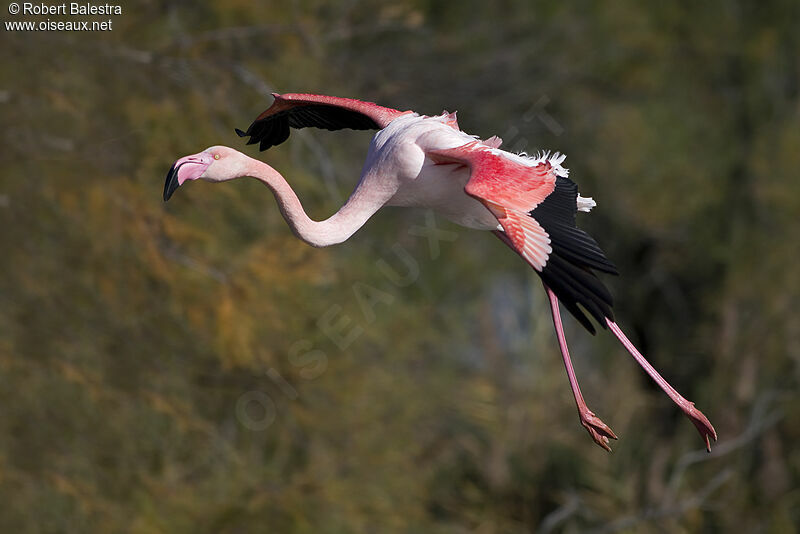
x: 417, y: 160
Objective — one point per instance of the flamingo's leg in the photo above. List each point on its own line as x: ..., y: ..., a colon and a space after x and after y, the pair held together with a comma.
x: 599, y: 431
x: 695, y: 416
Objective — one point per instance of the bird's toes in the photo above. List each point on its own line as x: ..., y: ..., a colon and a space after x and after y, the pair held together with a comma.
x: 599, y: 431
x: 600, y: 440
x: 703, y: 425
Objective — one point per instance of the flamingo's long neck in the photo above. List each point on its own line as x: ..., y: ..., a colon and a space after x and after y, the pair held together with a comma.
x: 337, y: 228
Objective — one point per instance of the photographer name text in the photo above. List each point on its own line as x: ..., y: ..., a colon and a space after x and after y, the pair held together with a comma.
x: 74, y: 8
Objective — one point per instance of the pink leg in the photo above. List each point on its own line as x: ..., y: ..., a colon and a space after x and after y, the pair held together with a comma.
x: 696, y: 416
x: 599, y: 431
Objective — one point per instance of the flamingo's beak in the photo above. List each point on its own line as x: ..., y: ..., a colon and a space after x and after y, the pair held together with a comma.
x: 187, y: 168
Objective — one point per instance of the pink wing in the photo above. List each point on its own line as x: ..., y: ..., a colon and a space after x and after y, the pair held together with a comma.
x: 294, y: 110
x: 510, y: 189
x: 535, y: 203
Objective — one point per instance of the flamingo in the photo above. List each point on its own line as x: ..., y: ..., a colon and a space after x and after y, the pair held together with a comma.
x: 528, y: 202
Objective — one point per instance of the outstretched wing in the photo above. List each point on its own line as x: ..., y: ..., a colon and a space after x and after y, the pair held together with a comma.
x: 294, y: 110
x: 536, y: 204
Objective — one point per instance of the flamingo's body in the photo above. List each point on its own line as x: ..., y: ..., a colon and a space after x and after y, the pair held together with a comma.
x: 421, y: 161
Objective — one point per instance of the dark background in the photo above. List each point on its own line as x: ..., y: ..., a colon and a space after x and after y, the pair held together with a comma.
x: 193, y: 367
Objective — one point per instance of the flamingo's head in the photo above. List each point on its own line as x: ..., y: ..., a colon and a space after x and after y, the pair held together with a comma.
x: 214, y: 164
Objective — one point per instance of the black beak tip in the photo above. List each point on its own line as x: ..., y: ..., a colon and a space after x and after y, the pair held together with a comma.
x: 171, y: 184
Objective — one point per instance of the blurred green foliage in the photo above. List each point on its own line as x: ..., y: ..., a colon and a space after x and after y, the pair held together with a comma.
x: 131, y: 330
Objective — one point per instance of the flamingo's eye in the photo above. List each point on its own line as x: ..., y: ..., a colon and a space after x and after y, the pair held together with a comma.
x: 216, y: 156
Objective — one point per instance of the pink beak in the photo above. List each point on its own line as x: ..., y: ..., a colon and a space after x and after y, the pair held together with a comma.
x: 187, y: 168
